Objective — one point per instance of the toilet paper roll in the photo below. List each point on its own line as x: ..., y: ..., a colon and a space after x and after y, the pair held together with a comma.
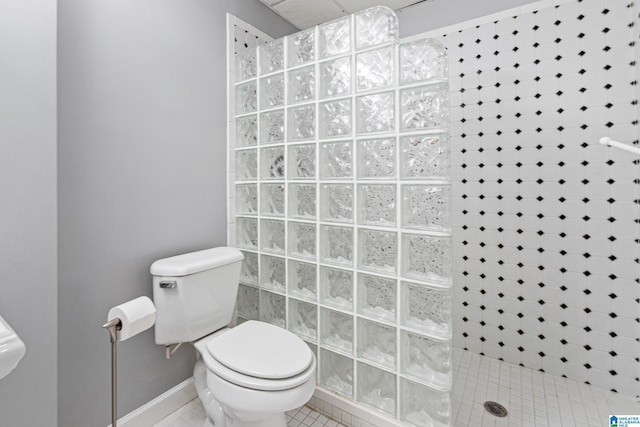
x: 135, y: 316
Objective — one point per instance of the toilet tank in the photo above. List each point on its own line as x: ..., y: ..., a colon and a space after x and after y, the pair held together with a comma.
x: 195, y: 293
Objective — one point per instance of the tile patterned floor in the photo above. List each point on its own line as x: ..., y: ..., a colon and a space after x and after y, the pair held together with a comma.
x: 533, y: 399
x: 192, y: 415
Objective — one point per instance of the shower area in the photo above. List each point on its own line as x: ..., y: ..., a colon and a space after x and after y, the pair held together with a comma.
x: 434, y: 215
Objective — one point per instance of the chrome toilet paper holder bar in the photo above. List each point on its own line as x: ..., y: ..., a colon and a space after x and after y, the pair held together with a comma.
x: 113, y: 326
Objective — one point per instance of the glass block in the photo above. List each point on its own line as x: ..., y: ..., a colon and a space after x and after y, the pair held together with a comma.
x: 426, y: 359
x: 377, y: 343
x: 375, y: 26
x: 335, y: 119
x: 377, y: 158
x: 247, y: 131
x: 246, y: 98
x: 335, y: 37
x: 422, y: 60
x: 246, y: 65
x: 377, y: 388
x: 249, y: 270
x: 247, y: 233
x: 422, y: 406
x: 302, y: 123
x: 247, y: 302
x: 335, y: 77
x: 336, y: 372
x: 336, y: 288
x: 272, y: 308
x: 303, y: 319
x: 374, y: 69
x: 272, y: 273
x: 272, y: 199
x: 336, y: 160
x: 272, y: 91
x: 375, y: 113
x: 301, y: 281
x: 377, y: 297
x: 424, y: 107
x: 272, y: 236
x: 271, y: 56
x: 272, y: 163
x: 302, y: 161
x: 426, y: 258
x: 302, y: 240
x: 302, y: 84
x: 427, y: 207
x: 246, y: 199
x: 272, y: 127
x: 302, y: 201
x: 377, y: 250
x: 246, y: 165
x: 336, y: 245
x: 301, y: 47
x: 424, y: 156
x: 336, y: 203
x: 426, y: 309
x: 377, y: 204
x: 336, y: 330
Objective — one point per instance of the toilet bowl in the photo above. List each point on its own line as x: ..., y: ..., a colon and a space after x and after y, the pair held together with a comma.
x: 255, y: 372
x: 247, y: 376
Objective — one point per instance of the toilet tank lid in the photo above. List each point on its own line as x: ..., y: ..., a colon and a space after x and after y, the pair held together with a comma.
x: 195, y: 262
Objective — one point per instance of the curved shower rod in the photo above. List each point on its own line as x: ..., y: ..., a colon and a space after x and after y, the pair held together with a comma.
x: 605, y: 140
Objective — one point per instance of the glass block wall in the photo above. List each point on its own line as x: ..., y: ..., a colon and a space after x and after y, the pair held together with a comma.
x: 342, y: 202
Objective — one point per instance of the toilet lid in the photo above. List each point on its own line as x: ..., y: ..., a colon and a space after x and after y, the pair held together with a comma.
x: 261, y: 350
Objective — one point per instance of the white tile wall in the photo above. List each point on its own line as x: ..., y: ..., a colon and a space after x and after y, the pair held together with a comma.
x: 546, y: 221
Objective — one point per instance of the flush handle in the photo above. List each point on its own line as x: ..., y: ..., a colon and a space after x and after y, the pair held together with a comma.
x: 168, y: 284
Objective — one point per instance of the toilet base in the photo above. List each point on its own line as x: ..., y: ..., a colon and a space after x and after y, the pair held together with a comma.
x: 220, y: 415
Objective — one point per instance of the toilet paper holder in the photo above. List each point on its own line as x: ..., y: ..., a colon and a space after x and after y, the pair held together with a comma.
x: 123, y: 322
x: 113, y: 326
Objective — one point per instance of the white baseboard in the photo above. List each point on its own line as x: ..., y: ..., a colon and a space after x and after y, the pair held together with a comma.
x: 163, y: 405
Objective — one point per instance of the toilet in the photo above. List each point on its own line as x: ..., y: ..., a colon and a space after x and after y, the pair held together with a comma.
x: 246, y: 376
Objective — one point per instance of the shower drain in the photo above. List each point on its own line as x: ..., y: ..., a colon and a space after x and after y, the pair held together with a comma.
x: 494, y: 408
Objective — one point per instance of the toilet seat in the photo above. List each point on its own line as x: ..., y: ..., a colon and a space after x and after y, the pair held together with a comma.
x: 258, y: 356
x: 262, y: 350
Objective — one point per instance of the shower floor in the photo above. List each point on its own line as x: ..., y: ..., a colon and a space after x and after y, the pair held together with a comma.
x: 532, y: 399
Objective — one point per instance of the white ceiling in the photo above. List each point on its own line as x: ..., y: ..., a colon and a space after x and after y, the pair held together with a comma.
x: 307, y: 13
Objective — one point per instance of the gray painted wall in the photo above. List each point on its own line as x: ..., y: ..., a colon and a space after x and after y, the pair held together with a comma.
x: 28, y: 395
x: 142, y: 170
x: 434, y: 14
